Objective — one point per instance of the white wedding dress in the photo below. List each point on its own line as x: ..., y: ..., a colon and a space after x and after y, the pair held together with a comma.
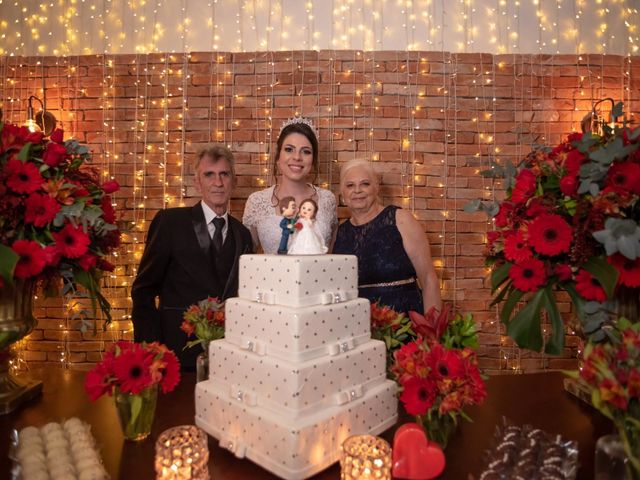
x: 307, y: 240
x: 260, y: 214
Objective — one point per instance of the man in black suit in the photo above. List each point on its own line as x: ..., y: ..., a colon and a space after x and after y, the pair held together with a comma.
x: 191, y: 253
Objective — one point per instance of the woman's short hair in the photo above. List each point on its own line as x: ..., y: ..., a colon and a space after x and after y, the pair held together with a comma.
x: 361, y: 163
x: 302, y: 129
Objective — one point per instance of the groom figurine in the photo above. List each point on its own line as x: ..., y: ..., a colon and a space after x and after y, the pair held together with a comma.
x: 288, y: 210
x: 191, y: 253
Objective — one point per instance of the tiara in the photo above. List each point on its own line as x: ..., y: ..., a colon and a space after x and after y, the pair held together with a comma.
x: 299, y: 119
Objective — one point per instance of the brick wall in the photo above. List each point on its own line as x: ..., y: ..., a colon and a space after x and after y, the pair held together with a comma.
x: 431, y: 121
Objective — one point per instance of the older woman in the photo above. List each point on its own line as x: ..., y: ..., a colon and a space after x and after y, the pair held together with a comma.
x: 394, y: 259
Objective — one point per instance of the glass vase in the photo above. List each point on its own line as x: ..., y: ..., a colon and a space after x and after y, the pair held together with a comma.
x: 202, y: 363
x: 438, y: 428
x: 136, y: 412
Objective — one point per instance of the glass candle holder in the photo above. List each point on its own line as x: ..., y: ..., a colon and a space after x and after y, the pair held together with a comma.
x: 182, y: 453
x: 365, y: 457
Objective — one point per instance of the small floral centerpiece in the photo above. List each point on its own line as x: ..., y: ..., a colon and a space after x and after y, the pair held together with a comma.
x: 438, y: 372
x: 57, y: 221
x: 132, y: 372
x: 391, y: 327
x: 205, y: 321
x: 611, y: 370
x: 569, y: 222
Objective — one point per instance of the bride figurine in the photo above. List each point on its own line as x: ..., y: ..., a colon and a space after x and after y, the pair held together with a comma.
x: 306, y: 238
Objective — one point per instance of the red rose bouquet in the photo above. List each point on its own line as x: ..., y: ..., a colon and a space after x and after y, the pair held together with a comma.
x: 438, y: 372
x: 612, y: 371
x: 132, y: 373
x: 57, y: 221
x: 569, y: 222
x: 204, y: 320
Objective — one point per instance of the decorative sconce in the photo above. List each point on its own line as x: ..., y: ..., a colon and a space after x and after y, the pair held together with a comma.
x: 595, y: 121
x: 43, y: 121
x: 365, y: 457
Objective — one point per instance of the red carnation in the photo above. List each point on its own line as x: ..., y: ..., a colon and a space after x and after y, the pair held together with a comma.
x: 629, y: 270
x: 87, y: 261
x: 57, y: 135
x: 528, y: 275
x: 23, y: 177
x: 589, y: 288
x: 32, y: 258
x: 504, y: 214
x: 40, y: 209
x: 106, y: 265
x: 550, y: 235
x: 573, y: 161
x: 569, y: 184
x: 516, y: 248
x: 525, y: 186
x: 418, y: 395
x: 110, y: 186
x: 14, y: 137
x: 54, y: 154
x: 170, y: 372
x: 624, y: 176
x: 72, y: 242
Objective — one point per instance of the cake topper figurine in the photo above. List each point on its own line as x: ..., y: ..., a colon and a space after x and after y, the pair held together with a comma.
x: 299, y: 119
x: 288, y: 210
x: 306, y: 238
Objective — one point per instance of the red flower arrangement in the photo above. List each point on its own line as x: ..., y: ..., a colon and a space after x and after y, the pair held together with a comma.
x: 132, y: 368
x: 205, y: 320
x: 56, y: 218
x: 438, y: 372
x: 569, y: 222
x: 611, y: 370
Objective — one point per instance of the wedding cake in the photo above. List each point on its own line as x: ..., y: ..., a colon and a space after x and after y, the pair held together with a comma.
x: 297, y: 372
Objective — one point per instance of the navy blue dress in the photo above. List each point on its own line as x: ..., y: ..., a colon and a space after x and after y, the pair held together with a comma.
x: 381, y: 259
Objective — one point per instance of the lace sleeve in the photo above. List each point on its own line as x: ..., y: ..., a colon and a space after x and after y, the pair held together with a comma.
x: 327, y: 214
x: 250, y: 216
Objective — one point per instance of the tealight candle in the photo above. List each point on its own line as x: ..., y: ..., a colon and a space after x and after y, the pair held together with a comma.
x: 365, y: 457
x: 182, y: 453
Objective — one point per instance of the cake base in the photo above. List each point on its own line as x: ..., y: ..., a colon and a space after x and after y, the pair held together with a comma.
x: 292, y: 449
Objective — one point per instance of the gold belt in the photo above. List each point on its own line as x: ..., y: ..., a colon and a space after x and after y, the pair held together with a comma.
x: 395, y: 283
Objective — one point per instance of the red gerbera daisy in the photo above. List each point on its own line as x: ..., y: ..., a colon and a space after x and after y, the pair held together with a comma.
x: 629, y: 270
x: 418, y: 395
x: 98, y: 381
x: 40, y: 209
x: 624, y: 176
x: 445, y: 363
x: 72, y: 241
x: 550, y: 235
x: 516, y: 248
x: 170, y: 372
x: 32, y: 258
x: 528, y: 275
x: 23, y: 177
x: 132, y: 369
x: 589, y: 288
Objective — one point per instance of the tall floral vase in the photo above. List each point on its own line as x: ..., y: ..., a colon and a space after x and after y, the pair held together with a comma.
x: 629, y: 432
x: 202, y: 363
x: 438, y: 428
x: 16, y: 321
x: 136, y: 412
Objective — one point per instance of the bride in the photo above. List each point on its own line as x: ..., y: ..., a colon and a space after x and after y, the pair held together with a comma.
x: 306, y: 238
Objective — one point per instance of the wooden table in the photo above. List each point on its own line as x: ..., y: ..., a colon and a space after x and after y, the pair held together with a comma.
x: 535, y: 399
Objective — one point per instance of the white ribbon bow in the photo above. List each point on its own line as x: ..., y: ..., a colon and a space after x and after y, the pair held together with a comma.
x: 265, y: 297
x: 254, y: 346
x: 350, y: 395
x: 248, y: 398
x: 341, y: 347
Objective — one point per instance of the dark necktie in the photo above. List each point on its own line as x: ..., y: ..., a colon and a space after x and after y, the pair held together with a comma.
x: 218, y: 224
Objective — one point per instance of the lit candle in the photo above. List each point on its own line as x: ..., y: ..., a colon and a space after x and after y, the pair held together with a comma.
x: 365, y: 457
x: 182, y: 453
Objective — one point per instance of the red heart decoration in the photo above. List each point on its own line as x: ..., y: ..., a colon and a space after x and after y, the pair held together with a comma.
x: 414, y: 456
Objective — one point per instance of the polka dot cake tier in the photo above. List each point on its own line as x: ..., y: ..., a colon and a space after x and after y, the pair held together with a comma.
x: 298, y: 371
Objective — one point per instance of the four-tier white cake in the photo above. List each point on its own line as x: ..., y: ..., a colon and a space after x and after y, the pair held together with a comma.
x: 297, y: 372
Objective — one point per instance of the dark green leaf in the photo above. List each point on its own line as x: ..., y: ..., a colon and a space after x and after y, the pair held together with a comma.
x: 524, y: 329
x: 555, y: 345
x: 25, y: 151
x: 509, y: 305
x: 499, y: 275
x: 8, y: 261
x: 605, y: 273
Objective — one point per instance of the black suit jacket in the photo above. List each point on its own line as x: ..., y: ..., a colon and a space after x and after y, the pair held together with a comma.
x: 177, y: 267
